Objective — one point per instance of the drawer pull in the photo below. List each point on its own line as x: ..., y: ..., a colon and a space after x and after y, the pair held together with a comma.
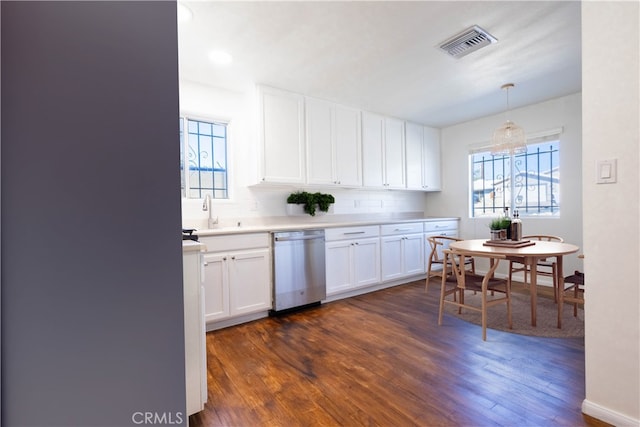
x: 353, y: 232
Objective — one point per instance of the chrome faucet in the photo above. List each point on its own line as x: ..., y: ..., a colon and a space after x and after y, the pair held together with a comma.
x: 206, y: 206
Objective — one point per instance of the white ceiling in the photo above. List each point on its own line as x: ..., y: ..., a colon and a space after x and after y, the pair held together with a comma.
x: 383, y: 56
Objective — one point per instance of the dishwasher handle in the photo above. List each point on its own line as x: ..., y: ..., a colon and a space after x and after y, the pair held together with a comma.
x: 291, y: 239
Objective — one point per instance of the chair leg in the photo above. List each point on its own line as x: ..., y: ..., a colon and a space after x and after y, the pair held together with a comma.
x: 442, y: 291
x: 426, y: 282
x: 556, y: 289
x: 510, y: 271
x: 484, y: 315
x: 560, y: 303
x: 509, y: 314
x: 575, y: 304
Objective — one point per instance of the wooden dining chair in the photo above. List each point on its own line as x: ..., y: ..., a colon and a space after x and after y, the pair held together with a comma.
x: 574, y: 284
x: 489, y: 287
x: 437, y: 244
x: 544, y: 267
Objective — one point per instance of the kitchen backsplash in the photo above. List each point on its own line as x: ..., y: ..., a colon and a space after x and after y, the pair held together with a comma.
x: 268, y: 206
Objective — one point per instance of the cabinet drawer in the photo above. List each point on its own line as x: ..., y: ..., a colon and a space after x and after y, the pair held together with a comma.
x: 345, y: 233
x: 235, y: 242
x: 440, y: 225
x: 402, y: 228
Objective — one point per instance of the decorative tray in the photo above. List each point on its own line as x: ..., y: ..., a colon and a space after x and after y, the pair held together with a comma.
x: 509, y: 243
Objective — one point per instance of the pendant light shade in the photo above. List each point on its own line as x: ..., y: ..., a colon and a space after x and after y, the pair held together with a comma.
x: 509, y: 138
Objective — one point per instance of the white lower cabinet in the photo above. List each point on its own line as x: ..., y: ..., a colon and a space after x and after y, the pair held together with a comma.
x: 352, y: 257
x: 249, y: 282
x: 194, y: 328
x: 402, y: 250
x: 237, y: 281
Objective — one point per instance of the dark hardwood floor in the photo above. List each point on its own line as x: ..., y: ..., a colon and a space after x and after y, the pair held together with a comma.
x: 382, y: 360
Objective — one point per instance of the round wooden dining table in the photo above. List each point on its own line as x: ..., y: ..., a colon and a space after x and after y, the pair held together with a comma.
x: 528, y: 255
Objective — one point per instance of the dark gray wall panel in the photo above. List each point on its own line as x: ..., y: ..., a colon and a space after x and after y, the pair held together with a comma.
x: 92, y: 321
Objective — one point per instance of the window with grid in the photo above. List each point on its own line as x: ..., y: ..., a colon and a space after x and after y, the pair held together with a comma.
x: 203, y: 169
x: 527, y: 182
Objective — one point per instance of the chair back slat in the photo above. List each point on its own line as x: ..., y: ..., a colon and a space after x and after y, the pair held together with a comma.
x: 544, y: 238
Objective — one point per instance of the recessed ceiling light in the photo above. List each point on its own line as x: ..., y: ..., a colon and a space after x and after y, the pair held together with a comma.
x: 220, y: 57
x: 184, y: 13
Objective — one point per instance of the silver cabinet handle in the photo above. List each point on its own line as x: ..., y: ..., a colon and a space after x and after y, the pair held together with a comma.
x: 353, y: 232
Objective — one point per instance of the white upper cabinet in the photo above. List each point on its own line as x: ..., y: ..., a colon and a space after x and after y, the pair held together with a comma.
x: 432, y: 178
x: 320, y: 152
x: 423, y: 157
x: 372, y: 150
x: 333, y: 144
x: 383, y: 151
x: 305, y: 140
x: 414, y: 142
x: 348, y: 143
x: 282, y: 136
x: 394, y: 154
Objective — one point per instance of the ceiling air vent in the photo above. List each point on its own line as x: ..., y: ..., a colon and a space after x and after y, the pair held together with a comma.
x: 467, y: 41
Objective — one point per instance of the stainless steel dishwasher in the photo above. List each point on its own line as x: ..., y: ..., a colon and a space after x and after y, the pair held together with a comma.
x: 299, y: 277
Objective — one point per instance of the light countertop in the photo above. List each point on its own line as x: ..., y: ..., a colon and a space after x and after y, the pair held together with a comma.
x: 191, y: 246
x: 298, y: 225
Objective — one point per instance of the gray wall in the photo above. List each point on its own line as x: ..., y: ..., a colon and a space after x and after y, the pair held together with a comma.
x: 92, y: 320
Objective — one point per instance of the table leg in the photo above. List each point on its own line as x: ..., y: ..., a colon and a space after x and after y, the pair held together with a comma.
x: 533, y: 288
x: 560, y: 281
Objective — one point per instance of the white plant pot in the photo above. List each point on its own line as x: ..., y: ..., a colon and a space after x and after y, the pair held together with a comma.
x: 298, y: 210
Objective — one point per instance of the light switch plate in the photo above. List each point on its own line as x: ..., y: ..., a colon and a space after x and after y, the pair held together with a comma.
x: 606, y: 171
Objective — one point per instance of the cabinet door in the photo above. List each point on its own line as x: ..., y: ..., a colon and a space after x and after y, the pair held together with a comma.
x: 394, y: 154
x: 372, y: 150
x: 282, y: 136
x: 249, y: 281
x: 366, y: 262
x: 320, y: 155
x: 216, y: 287
x: 391, y: 257
x: 338, y: 266
x: 414, y: 137
x: 347, y: 143
x: 432, y: 180
x: 413, y: 254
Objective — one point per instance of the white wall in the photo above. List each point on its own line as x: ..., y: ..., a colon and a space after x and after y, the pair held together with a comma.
x: 454, y: 200
x: 250, y: 203
x: 611, y: 213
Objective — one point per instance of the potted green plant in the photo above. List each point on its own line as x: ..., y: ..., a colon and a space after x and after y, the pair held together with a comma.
x: 311, y: 202
x: 499, y: 228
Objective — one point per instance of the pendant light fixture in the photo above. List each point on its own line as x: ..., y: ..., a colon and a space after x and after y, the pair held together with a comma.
x: 509, y: 138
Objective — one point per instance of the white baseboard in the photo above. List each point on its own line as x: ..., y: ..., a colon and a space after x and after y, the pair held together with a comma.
x: 607, y: 415
x: 372, y: 288
x: 212, y: 326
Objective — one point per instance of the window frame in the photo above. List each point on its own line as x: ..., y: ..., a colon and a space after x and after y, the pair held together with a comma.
x: 184, y: 143
x: 553, y: 139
